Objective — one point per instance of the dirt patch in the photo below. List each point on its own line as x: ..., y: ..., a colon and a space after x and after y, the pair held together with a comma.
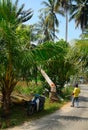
x: 67, y: 107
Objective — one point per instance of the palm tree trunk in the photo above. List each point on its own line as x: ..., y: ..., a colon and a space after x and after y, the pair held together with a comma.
x: 6, y: 104
x: 8, y: 85
x: 6, y: 107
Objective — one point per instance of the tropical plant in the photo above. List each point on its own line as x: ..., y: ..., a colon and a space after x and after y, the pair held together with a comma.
x: 54, y: 60
x: 58, y: 67
x: 45, y: 33
x: 11, y: 51
x: 51, y: 18
x: 78, y: 56
x: 83, y: 49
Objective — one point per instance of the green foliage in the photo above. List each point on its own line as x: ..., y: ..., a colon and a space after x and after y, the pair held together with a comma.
x: 29, y: 88
x: 12, y: 51
x: 83, y: 54
x: 23, y: 32
x: 58, y: 67
x: 78, y: 56
x: 46, y: 51
x: 67, y: 92
x: 11, y: 14
x: 11, y: 42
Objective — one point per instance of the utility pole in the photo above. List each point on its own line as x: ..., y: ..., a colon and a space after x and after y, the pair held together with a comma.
x: 66, y: 31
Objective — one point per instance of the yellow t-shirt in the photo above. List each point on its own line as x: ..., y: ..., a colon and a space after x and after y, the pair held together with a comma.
x: 76, y: 92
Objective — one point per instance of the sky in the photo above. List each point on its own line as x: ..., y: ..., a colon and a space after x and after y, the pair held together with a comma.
x: 35, y: 5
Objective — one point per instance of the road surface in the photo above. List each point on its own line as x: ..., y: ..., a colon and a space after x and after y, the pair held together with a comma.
x: 67, y: 118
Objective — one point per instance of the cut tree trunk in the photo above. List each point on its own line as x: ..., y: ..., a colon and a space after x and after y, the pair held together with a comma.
x: 53, y: 95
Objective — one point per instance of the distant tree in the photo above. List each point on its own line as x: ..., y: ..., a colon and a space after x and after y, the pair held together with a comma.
x: 51, y: 18
x: 43, y: 32
x: 83, y: 54
x: 78, y: 56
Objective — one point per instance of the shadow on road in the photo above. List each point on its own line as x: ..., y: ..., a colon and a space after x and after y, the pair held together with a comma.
x: 82, y: 107
x: 71, y: 118
x: 84, y: 99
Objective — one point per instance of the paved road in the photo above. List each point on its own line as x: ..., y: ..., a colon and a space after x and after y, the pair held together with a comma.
x: 68, y: 118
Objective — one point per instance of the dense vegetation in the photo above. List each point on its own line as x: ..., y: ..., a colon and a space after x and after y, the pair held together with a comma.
x: 20, y: 59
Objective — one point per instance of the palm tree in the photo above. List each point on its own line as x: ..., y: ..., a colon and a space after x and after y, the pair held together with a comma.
x: 79, y: 12
x: 45, y: 33
x: 10, y: 17
x: 51, y: 18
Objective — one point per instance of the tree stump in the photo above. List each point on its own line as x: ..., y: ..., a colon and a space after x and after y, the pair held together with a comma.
x: 53, y: 97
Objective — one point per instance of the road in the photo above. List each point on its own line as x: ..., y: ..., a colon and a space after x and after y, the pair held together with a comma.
x: 67, y: 118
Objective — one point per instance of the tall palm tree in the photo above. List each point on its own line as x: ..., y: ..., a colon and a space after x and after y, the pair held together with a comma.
x: 79, y: 12
x: 51, y: 18
x: 44, y: 32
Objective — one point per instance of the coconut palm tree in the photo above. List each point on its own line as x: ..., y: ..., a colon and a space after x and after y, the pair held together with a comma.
x: 51, y: 18
x: 45, y: 33
x: 79, y: 12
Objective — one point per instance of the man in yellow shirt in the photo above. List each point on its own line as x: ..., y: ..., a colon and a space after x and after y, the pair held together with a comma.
x: 75, y: 94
